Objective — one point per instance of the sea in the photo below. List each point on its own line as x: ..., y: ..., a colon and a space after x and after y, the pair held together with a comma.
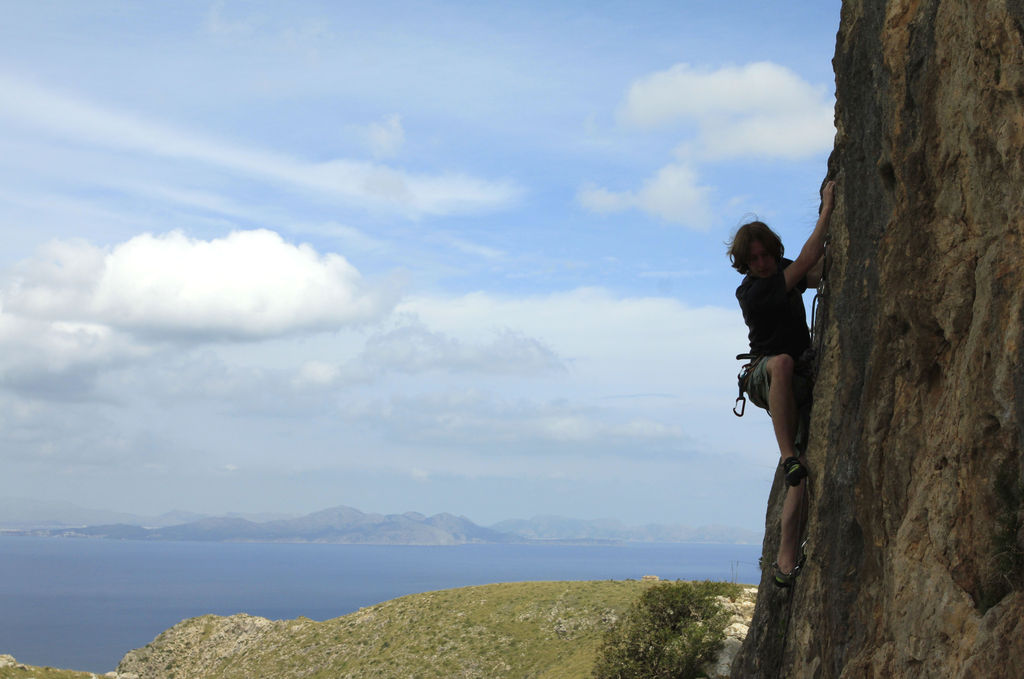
x: 81, y: 604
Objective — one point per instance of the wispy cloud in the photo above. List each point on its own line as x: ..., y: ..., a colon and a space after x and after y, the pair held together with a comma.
x: 385, y: 138
x: 599, y: 335
x: 477, y: 420
x: 370, y: 185
x: 475, y: 250
x: 674, y: 194
x: 761, y: 110
x: 412, y: 347
x: 218, y: 23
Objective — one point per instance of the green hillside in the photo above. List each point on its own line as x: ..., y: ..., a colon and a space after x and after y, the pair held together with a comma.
x: 19, y: 671
x: 535, y: 630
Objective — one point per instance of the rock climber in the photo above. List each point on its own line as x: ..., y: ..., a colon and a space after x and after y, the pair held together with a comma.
x: 770, y: 297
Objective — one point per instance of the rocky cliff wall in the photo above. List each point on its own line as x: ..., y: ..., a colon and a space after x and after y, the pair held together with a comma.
x: 916, y: 546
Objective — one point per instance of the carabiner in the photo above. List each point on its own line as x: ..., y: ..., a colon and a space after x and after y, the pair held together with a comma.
x: 741, y: 405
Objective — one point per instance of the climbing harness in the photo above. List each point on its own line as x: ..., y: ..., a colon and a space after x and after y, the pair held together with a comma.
x: 744, y: 372
x: 740, y: 406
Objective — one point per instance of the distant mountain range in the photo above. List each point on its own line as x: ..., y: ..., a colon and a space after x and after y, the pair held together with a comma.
x: 343, y: 525
x: 22, y: 512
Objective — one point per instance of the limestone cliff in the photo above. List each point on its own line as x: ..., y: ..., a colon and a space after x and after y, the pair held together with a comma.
x: 916, y: 565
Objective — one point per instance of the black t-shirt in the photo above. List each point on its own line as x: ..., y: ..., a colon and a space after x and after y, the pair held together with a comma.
x: 776, y: 318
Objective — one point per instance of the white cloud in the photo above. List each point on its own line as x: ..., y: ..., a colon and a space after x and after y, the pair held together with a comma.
x: 385, y: 138
x: 249, y: 284
x: 758, y: 110
x: 370, y: 185
x: 761, y: 109
x: 673, y: 195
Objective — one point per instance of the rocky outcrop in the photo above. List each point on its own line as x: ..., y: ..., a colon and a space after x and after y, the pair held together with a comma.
x: 208, y: 645
x: 741, y: 612
x: 916, y: 524
x: 9, y: 667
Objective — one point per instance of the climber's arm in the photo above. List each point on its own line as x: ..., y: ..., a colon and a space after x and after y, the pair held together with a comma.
x: 814, y: 248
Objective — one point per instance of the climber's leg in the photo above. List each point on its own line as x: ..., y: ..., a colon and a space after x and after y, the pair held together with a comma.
x: 782, y: 403
x: 792, y: 515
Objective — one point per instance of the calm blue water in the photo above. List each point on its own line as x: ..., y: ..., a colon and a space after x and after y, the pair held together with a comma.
x: 82, y: 604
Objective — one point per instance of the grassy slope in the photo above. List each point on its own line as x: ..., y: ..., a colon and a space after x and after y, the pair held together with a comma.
x: 530, y: 630
x: 31, y: 672
x: 540, y: 630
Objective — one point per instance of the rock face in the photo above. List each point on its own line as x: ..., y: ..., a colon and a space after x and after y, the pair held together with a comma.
x: 915, y: 538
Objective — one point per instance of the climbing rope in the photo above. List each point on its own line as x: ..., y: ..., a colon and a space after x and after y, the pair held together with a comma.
x: 817, y: 340
x: 804, y: 513
x: 817, y: 333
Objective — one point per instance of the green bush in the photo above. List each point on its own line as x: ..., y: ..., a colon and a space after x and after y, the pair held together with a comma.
x: 671, y: 631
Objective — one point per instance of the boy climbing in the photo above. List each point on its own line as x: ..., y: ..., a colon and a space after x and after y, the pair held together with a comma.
x: 770, y: 297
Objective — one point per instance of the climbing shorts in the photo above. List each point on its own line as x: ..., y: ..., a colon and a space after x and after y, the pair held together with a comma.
x: 758, y: 384
x: 760, y: 381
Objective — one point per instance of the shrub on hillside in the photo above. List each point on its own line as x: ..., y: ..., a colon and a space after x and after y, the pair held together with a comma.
x: 671, y: 631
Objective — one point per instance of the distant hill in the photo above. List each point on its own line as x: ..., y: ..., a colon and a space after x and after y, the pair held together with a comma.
x: 345, y: 525
x: 25, y: 513
x: 339, y: 525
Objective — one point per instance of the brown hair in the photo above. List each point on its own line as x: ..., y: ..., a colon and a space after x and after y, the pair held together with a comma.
x: 739, y: 246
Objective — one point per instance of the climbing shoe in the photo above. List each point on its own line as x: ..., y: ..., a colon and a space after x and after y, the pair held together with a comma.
x: 795, y: 472
x: 784, y: 580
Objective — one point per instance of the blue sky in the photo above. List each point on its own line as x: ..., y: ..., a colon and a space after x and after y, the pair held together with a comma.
x: 430, y: 256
